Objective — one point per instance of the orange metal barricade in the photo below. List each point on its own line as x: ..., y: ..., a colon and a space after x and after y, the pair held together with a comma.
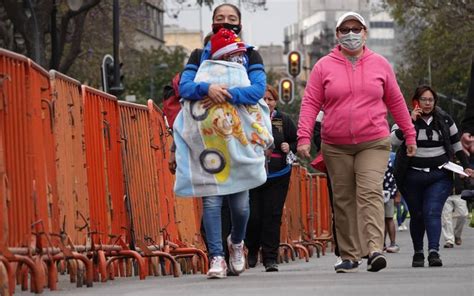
x: 140, y: 174
x: 161, y: 143
x: 70, y: 156
x: 104, y: 164
x: 29, y: 148
x: 322, y: 223
x: 292, y: 205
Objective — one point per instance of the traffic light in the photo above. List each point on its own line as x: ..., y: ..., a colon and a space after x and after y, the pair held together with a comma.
x: 108, y: 76
x: 294, y: 63
x: 286, y: 90
x: 107, y: 70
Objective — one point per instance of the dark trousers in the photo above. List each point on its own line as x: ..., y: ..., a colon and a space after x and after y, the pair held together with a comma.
x: 426, y: 194
x: 266, y: 208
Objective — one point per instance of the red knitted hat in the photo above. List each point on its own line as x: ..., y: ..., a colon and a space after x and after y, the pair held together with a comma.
x: 225, y: 42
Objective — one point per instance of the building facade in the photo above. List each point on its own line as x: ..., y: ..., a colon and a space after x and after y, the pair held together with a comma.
x: 150, y: 27
x: 314, y: 33
x: 187, y: 39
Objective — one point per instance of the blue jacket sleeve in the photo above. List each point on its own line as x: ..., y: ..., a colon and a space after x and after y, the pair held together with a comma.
x: 250, y: 94
x: 188, y: 89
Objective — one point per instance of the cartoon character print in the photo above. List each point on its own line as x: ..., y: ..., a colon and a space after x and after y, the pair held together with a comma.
x: 260, y: 135
x: 221, y: 124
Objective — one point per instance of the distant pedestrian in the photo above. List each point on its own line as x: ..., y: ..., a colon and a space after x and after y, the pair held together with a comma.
x: 391, y: 197
x: 455, y: 213
x: 219, y: 160
x: 355, y: 87
x: 425, y: 185
x: 267, y: 200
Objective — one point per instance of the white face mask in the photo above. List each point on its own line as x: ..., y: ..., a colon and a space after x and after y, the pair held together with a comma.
x: 237, y: 59
x: 351, y: 41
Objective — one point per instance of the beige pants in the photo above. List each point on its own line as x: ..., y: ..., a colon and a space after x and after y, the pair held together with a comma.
x: 357, y: 173
x: 454, y: 218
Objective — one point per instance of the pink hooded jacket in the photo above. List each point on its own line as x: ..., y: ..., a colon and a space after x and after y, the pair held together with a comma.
x: 355, y: 99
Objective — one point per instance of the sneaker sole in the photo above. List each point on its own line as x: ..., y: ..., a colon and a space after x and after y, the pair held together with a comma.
x: 436, y: 264
x: 378, y: 263
x: 352, y: 270
x: 216, y: 276
x: 418, y: 265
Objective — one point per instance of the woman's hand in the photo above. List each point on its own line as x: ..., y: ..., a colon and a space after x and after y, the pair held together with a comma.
x: 172, y: 163
x: 285, y: 147
x: 469, y: 172
x: 467, y: 141
x: 411, y: 150
x: 303, y: 151
x: 416, y: 113
x: 218, y: 93
x: 207, y: 103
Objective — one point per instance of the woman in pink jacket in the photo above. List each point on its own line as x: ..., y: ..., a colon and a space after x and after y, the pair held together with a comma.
x: 355, y: 86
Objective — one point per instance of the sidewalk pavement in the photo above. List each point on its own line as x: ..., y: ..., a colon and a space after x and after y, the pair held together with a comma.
x: 316, y: 277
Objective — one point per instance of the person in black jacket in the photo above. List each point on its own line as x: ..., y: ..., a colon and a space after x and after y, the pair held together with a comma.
x: 267, y: 200
x: 427, y: 184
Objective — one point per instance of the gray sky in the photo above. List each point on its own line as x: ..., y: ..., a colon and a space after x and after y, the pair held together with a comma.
x: 261, y: 27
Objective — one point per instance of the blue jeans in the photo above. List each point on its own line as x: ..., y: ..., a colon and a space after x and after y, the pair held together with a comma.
x: 426, y: 194
x: 402, y: 211
x: 239, y: 214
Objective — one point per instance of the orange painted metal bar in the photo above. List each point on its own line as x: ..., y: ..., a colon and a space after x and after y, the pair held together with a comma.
x: 104, y: 164
x: 73, y: 196
x: 161, y: 142
x: 43, y: 147
x: 141, y: 176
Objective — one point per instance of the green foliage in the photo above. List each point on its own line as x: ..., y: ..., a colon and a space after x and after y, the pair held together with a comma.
x: 437, y: 35
x: 152, y: 71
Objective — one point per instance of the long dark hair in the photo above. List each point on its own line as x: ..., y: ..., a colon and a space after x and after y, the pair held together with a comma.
x: 235, y: 8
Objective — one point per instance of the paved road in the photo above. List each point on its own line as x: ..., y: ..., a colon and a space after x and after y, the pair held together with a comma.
x: 316, y: 277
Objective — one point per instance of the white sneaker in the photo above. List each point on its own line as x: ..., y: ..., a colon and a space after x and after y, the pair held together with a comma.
x: 338, y: 261
x: 402, y: 227
x: 236, y: 256
x: 393, y: 248
x: 218, y: 268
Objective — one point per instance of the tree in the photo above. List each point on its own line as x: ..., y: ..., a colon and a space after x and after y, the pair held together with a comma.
x: 26, y: 28
x: 31, y: 20
x: 437, y: 46
x: 153, y: 70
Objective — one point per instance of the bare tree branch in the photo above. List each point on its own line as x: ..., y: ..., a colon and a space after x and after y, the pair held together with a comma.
x: 76, y: 44
x: 76, y: 40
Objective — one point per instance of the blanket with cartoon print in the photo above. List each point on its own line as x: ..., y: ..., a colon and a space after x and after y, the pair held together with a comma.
x: 220, y: 150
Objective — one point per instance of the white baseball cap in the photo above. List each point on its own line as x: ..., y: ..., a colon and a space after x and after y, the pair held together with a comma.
x: 350, y: 16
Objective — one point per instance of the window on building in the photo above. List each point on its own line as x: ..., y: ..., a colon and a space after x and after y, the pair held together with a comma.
x: 152, y: 23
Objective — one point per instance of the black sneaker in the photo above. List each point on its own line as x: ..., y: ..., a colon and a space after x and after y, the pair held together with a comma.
x: 418, y: 260
x: 347, y: 266
x: 434, y: 260
x: 271, y: 267
x: 376, y: 262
